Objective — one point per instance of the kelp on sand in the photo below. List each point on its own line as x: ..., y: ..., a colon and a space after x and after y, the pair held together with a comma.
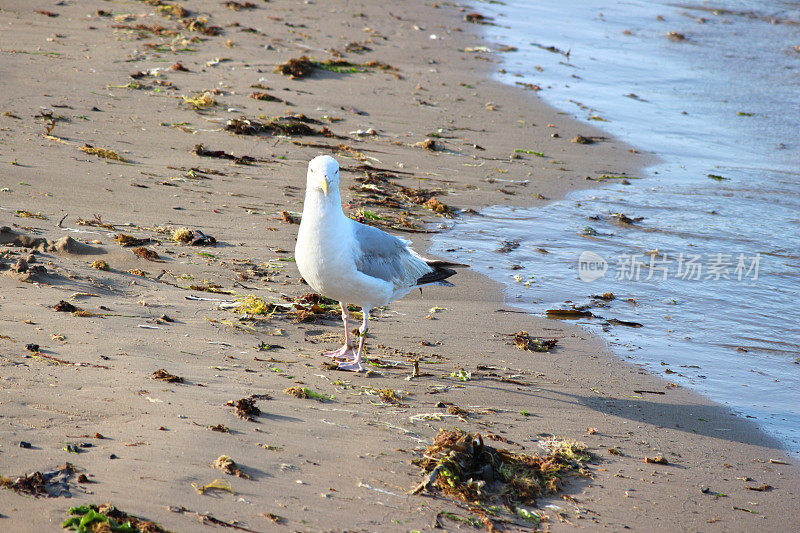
x: 461, y: 466
x: 96, y: 519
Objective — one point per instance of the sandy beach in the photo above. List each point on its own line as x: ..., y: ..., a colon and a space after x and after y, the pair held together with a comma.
x: 123, y: 123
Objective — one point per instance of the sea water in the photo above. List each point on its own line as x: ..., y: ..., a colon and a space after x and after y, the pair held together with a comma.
x: 706, y: 259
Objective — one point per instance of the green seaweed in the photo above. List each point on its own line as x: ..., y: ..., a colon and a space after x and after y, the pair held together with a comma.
x: 306, y: 393
x: 461, y: 375
x: 521, y: 151
x: 91, y: 518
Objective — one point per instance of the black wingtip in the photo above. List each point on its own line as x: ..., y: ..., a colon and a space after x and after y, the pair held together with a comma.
x: 439, y: 263
x: 438, y: 274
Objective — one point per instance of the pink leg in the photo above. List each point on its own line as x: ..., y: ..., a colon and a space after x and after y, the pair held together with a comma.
x: 346, y: 351
x: 355, y: 365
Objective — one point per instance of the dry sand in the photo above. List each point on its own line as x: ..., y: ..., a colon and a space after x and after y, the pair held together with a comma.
x: 342, y: 464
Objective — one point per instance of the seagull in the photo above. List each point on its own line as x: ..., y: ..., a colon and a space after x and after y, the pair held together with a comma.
x: 354, y: 263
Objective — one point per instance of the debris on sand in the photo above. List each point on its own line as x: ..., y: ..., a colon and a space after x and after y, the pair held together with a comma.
x: 24, y: 213
x: 204, y: 100
x: 97, y: 221
x: 250, y: 304
x: 675, y: 36
x: 229, y: 466
x: 580, y: 139
x: 306, y: 308
x: 275, y: 519
x: 297, y: 124
x: 246, y: 407
x: 477, y: 18
x: 200, y: 25
x: 163, y: 375
x: 389, y: 396
x: 438, y: 207
x: 306, y: 393
x: 103, y: 152
x: 238, y: 6
x: 356, y: 47
x: 523, y: 341
x: 99, y: 264
x: 657, y: 460
x: 347, y: 67
x: 106, y: 517
x: 429, y: 144
x: 460, y: 466
x: 266, y: 97
x: 149, y: 255
x: 217, y: 484
x: 304, y: 66
x: 64, y: 306
x: 168, y: 10
x: 144, y: 29
x: 52, y: 483
x: 378, y: 188
x: 202, y: 239
x: 200, y: 150
x: 129, y: 240
x: 296, y: 67
x: 183, y: 235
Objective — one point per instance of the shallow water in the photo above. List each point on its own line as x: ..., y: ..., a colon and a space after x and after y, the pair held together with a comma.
x: 712, y: 270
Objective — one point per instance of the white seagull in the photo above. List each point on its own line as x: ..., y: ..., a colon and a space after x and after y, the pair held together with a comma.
x: 353, y: 263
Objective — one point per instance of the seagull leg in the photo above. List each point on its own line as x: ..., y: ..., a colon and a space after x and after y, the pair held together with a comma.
x: 355, y: 366
x: 346, y: 351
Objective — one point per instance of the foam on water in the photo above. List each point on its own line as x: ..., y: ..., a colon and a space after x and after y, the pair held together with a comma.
x: 723, y: 102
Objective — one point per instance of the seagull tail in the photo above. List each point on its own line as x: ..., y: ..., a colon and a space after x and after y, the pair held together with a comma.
x: 439, y: 263
x: 438, y: 275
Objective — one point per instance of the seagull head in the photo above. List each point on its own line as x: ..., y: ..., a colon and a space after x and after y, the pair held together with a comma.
x: 323, y: 174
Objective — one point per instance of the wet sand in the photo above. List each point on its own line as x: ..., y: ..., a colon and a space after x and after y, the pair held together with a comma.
x: 342, y: 464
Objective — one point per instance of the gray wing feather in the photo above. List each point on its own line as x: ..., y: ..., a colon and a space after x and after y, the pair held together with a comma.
x: 387, y: 257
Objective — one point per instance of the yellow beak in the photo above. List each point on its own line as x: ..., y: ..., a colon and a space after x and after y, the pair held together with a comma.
x: 324, y: 185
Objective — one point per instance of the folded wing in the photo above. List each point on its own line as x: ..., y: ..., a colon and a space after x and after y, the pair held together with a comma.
x: 391, y: 259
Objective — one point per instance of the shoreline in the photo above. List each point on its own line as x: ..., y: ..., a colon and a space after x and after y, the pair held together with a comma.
x: 577, y: 386
x: 760, y: 384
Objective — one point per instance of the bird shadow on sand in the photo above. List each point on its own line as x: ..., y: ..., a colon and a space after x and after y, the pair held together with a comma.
x: 278, y: 418
x: 710, y: 420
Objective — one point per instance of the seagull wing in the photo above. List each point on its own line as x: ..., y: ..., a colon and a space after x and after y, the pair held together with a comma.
x: 389, y: 258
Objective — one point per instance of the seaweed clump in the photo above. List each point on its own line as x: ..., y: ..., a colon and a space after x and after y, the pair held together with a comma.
x: 379, y: 188
x: 305, y: 393
x: 229, y: 466
x: 246, y: 407
x: 304, y: 66
x: 524, y: 341
x: 50, y: 484
x: 460, y: 466
x: 103, y: 152
x: 296, y: 67
x: 288, y: 125
x: 106, y: 517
